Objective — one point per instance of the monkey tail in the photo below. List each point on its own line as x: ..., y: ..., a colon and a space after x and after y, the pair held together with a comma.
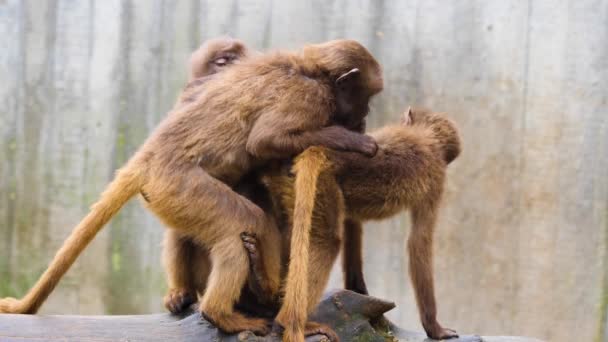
x: 294, y: 311
x: 125, y: 185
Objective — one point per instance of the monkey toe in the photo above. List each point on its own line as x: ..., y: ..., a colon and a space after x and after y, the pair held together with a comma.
x: 249, y: 237
x: 178, y: 300
x: 314, y: 328
x: 250, y: 242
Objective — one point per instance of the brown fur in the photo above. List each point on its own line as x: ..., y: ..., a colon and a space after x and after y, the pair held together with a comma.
x: 187, y: 263
x: 258, y: 298
x: 269, y: 106
x: 210, y: 58
x: 408, y: 172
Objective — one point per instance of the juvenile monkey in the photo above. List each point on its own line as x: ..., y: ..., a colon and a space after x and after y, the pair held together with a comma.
x: 408, y: 172
x: 210, y: 58
x: 268, y: 106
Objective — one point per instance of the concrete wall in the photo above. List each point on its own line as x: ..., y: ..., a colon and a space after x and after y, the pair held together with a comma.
x: 521, y: 244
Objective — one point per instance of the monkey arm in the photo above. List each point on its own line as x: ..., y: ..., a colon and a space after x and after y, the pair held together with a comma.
x: 268, y: 143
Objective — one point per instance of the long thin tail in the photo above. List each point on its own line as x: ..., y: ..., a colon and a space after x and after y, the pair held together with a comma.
x: 124, y: 186
x: 294, y: 311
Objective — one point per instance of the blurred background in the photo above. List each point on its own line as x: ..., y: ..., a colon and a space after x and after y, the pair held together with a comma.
x: 521, y: 243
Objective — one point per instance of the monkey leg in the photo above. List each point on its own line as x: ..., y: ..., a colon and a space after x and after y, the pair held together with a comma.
x: 178, y: 259
x: 420, y: 247
x: 227, y: 278
x: 352, y: 257
x: 206, y: 210
x: 187, y: 266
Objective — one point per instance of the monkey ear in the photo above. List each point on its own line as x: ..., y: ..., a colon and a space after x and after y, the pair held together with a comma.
x: 407, y: 117
x: 347, y: 78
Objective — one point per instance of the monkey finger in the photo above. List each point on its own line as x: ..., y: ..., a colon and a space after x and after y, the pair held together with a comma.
x: 370, y: 148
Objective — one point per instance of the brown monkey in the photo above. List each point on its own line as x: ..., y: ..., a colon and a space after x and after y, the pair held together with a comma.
x: 214, y: 55
x: 187, y: 263
x: 210, y: 58
x: 408, y: 172
x: 352, y: 263
x: 269, y: 106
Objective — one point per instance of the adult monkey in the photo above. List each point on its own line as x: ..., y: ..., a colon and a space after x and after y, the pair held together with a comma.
x: 187, y: 264
x: 268, y: 106
x: 429, y: 132
x: 408, y: 172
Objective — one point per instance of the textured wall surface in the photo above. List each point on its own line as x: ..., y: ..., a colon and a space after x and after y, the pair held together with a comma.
x: 521, y: 243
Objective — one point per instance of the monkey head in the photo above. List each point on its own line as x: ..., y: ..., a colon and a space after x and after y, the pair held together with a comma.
x: 443, y: 129
x: 355, y: 73
x: 215, y: 54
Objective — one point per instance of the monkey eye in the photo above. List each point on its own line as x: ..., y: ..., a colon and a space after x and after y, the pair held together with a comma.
x: 221, y: 61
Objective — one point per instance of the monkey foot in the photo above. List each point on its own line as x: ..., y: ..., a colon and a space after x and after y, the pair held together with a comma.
x: 258, y: 282
x: 236, y: 322
x: 250, y: 242
x: 314, y: 328
x: 440, y: 333
x: 178, y: 300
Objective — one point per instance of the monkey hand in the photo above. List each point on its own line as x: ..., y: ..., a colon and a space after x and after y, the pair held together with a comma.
x: 10, y: 305
x: 369, y: 147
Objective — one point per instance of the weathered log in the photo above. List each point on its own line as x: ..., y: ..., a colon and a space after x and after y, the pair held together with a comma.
x: 353, y: 316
